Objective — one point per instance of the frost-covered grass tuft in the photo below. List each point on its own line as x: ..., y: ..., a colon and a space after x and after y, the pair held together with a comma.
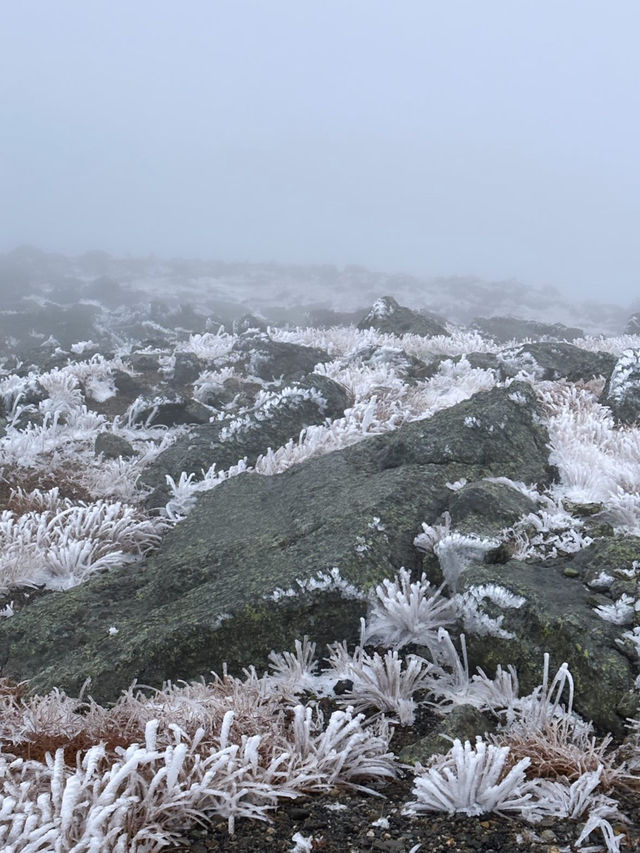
x: 228, y: 749
x: 404, y: 612
x: 386, y: 683
x: 472, y: 780
x: 58, y: 542
x: 598, y: 462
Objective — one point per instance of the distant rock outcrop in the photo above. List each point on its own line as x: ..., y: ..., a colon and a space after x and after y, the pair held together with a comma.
x: 503, y: 329
x: 386, y: 315
x: 632, y: 326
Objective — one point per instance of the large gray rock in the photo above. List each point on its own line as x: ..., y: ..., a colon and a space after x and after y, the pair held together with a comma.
x: 227, y: 441
x: 112, y: 446
x: 551, y: 361
x: 256, y: 354
x: 503, y: 329
x: 186, y: 369
x: 210, y: 594
x: 247, y: 323
x: 174, y: 410
x: 486, y: 508
x: 558, y: 617
x: 386, y: 315
x: 622, y: 391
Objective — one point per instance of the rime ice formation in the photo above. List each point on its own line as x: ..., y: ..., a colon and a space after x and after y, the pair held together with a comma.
x: 187, y: 490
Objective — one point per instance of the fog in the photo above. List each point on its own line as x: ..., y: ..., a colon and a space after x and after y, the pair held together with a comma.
x: 492, y: 138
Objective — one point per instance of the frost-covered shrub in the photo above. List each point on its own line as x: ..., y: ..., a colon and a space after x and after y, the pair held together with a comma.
x: 386, y: 683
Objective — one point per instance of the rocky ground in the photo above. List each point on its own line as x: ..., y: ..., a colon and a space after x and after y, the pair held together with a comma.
x: 379, y: 825
x: 188, y: 486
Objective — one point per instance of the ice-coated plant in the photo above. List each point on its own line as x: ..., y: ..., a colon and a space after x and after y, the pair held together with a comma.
x: 452, y: 685
x: 475, y: 620
x: 472, y: 780
x: 477, y: 780
x: 296, y: 672
x: 432, y: 534
x: 208, y: 346
x: 330, y: 580
x: 58, y: 542
x: 620, y: 612
x: 403, y: 612
x: 236, y: 754
x: 212, y: 381
x: 633, y: 636
x: 456, y: 552
x: 597, y: 461
x: 185, y: 492
x: 270, y: 405
x: 386, y: 683
x: 624, y: 373
x: 575, y: 801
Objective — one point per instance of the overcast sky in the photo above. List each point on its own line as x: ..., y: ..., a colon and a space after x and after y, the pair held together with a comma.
x: 493, y: 137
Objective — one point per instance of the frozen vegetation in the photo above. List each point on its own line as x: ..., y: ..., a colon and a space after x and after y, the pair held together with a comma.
x: 78, y: 775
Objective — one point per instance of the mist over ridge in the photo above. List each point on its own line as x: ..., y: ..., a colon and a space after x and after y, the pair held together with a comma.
x: 287, y: 293
x: 495, y: 140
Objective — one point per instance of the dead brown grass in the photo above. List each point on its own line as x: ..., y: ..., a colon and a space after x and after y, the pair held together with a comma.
x: 14, y: 479
x: 554, y: 755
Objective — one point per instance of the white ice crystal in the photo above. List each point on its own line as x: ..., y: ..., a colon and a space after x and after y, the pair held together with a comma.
x: 302, y: 843
x: 620, y: 612
x: 602, y: 580
x: 322, y: 582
